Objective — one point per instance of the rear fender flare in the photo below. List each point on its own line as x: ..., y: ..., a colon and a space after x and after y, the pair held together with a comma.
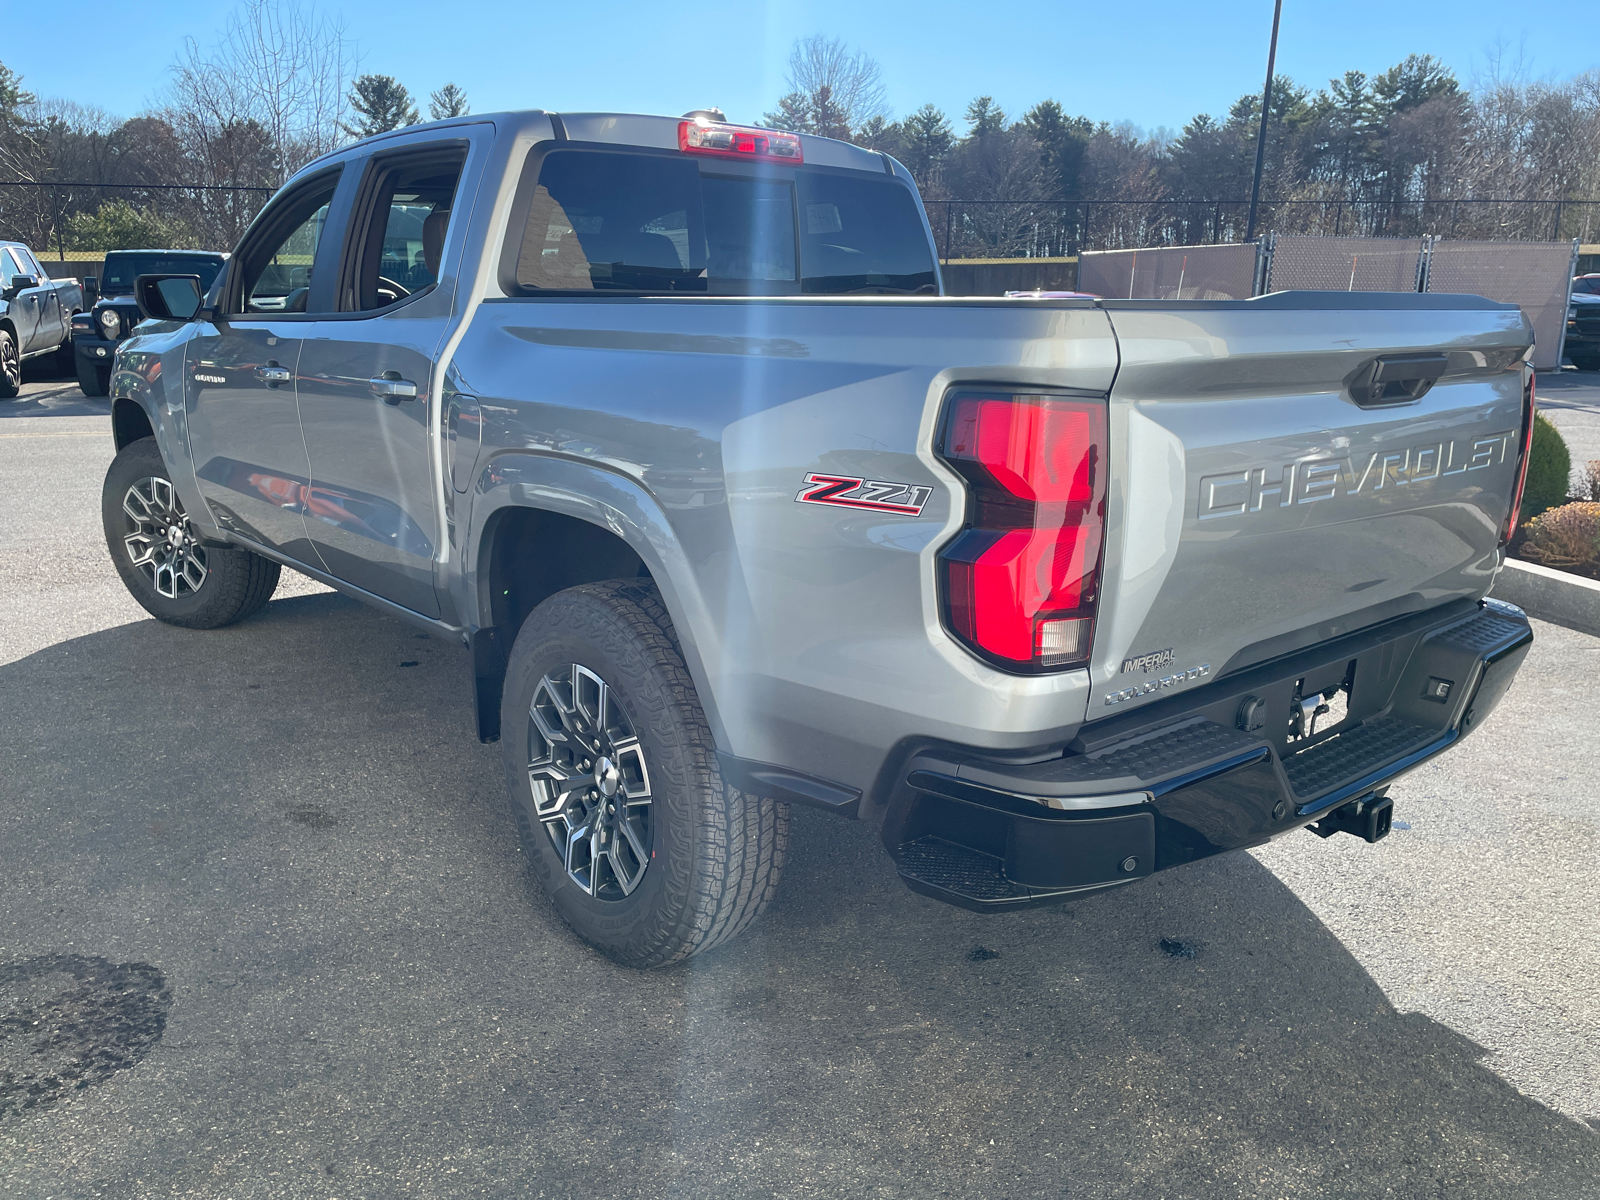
x: 620, y: 505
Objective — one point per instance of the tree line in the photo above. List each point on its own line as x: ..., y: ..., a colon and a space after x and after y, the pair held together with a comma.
x: 279, y: 88
x: 1411, y: 150
x: 1405, y: 152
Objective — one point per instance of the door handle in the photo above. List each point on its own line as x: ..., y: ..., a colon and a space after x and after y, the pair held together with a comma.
x: 272, y: 374
x: 392, y: 388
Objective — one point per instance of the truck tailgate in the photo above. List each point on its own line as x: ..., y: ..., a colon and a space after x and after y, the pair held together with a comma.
x: 1256, y: 507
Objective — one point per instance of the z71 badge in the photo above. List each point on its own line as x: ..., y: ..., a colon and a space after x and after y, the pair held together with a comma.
x: 876, y: 495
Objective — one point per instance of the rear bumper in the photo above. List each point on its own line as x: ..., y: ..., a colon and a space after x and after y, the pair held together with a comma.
x: 1174, y: 785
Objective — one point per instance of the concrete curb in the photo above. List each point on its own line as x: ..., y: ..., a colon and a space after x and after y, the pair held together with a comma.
x: 1550, y: 595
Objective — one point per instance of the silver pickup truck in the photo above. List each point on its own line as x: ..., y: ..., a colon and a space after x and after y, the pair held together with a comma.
x: 35, y: 315
x: 669, y: 423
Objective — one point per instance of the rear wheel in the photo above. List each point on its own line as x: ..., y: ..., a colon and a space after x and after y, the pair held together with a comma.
x: 93, y: 379
x: 162, y: 562
x: 624, y: 816
x: 10, y: 366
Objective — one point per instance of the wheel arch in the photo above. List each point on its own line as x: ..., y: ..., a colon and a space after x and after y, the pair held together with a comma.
x: 608, y: 526
x: 129, y: 422
x: 527, y: 554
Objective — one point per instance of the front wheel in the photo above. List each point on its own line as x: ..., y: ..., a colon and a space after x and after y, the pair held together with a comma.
x: 162, y: 562
x: 624, y: 815
x: 1586, y: 362
x: 10, y: 366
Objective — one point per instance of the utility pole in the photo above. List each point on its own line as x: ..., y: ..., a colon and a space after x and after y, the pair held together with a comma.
x: 1261, y: 136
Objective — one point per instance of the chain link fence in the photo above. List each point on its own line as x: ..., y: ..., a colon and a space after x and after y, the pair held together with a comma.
x: 1054, y: 228
x: 1170, y: 273
x: 1344, y: 264
x: 1536, y: 276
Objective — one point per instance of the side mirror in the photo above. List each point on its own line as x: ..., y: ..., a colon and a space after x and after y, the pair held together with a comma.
x: 20, y: 284
x: 91, y: 290
x: 167, y: 297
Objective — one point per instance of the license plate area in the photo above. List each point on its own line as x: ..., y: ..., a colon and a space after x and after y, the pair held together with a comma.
x: 1319, y: 706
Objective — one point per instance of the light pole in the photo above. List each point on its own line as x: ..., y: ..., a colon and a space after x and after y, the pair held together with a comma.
x: 1261, y: 136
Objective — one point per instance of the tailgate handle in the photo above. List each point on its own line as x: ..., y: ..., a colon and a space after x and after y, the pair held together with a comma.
x: 1396, y: 379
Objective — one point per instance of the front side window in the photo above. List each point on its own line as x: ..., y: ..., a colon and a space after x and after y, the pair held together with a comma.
x: 616, y: 221
x: 277, y: 274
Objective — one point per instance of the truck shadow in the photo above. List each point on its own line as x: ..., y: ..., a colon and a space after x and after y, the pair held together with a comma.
x: 50, y: 392
x: 292, y: 821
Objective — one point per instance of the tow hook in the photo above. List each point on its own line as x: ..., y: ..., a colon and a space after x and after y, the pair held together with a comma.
x: 1368, y: 818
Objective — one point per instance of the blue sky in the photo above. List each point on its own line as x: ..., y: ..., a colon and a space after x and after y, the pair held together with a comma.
x: 1158, y: 67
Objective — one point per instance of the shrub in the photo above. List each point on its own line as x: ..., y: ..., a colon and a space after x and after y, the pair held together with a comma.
x: 1549, y: 470
x: 118, y: 225
x: 1591, y: 479
x: 1567, y: 537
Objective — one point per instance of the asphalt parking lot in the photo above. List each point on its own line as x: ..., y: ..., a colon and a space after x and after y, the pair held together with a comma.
x: 262, y: 886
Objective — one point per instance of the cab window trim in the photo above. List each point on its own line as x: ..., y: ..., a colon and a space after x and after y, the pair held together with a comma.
x: 363, y: 215
x: 269, y: 227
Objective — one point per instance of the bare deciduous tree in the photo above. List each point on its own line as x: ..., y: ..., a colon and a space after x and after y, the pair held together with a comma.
x: 833, y: 91
x: 279, y: 64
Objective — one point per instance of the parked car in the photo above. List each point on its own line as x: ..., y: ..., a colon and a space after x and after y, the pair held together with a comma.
x: 97, y: 333
x: 35, y: 315
x: 1583, y: 323
x: 668, y: 425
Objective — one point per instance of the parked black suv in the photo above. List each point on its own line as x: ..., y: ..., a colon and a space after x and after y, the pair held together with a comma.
x: 95, y: 333
x: 1583, y: 323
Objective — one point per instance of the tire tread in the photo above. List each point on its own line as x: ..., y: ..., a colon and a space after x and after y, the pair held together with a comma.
x: 241, y: 581
x: 742, y: 843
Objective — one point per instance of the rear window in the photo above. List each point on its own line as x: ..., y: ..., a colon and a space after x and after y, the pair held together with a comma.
x: 604, y: 221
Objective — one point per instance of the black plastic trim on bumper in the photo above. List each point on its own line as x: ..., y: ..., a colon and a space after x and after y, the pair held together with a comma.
x: 988, y: 834
x: 86, y: 346
x: 790, y: 786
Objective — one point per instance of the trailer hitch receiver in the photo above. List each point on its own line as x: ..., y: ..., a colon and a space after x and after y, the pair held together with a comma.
x: 1368, y: 818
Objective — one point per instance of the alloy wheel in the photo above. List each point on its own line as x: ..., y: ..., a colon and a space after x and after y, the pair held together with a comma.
x: 591, y: 786
x: 10, y: 365
x: 161, y: 543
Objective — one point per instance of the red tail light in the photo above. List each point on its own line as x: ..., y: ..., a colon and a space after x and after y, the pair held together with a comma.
x: 1528, y: 405
x: 738, y: 141
x: 1022, y: 580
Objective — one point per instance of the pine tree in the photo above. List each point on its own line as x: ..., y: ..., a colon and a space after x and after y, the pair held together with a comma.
x: 381, y: 104
x: 448, y: 101
x: 984, y: 117
x: 927, y: 139
x: 793, y: 114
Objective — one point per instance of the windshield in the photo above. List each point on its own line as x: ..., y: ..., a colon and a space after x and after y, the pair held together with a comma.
x: 1586, y: 285
x: 122, y: 269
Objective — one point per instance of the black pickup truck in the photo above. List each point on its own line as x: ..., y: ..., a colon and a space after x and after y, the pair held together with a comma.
x: 95, y: 333
x: 1583, y: 323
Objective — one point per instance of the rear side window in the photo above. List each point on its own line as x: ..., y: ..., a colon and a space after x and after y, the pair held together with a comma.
x: 607, y: 221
